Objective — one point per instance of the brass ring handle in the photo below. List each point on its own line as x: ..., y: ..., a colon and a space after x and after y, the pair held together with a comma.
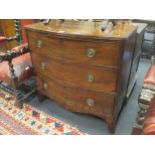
x: 45, y: 86
x: 91, y: 52
x: 90, y: 78
x: 90, y: 102
x: 39, y: 43
x: 42, y: 65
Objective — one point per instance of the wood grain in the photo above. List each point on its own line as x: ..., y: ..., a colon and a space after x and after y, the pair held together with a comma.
x: 76, y: 99
x: 75, y: 51
x: 70, y: 74
x: 62, y: 66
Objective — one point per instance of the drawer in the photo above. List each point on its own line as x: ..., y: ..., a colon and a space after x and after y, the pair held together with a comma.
x: 78, y: 100
x: 82, y: 76
x: 101, y: 53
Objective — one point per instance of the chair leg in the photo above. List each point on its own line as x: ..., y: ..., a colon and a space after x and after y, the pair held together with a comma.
x: 14, y: 79
x: 14, y: 84
x: 18, y: 102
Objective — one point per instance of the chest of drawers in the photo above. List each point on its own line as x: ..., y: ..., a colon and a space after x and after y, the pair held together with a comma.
x: 81, y: 68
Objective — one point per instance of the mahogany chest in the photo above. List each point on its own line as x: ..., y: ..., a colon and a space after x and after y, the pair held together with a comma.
x: 81, y: 67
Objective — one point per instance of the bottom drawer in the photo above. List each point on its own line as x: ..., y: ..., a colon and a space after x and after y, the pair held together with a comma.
x: 78, y: 100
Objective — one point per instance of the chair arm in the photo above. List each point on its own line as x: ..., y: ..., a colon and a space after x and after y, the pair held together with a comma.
x: 20, y: 48
x: 15, y: 52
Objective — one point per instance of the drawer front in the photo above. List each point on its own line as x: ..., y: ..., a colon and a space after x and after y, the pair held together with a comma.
x: 106, y: 53
x: 78, y: 100
x: 88, y: 77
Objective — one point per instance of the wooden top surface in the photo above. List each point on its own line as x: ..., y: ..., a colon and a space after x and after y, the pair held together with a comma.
x: 84, y: 29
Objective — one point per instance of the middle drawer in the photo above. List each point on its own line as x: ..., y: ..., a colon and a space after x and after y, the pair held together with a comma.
x: 82, y: 76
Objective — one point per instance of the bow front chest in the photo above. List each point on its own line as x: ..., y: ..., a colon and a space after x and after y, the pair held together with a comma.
x: 81, y: 67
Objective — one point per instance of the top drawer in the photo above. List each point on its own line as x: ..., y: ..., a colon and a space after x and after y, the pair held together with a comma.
x: 99, y: 53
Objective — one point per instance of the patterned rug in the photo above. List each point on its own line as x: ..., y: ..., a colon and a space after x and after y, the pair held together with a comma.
x: 29, y: 120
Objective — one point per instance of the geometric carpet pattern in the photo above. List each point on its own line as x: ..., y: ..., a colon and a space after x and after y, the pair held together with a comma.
x: 29, y: 120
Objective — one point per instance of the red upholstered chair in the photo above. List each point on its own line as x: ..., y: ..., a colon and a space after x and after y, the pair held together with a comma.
x: 145, y: 123
x: 149, y: 83
x: 16, y: 65
x: 149, y: 123
x: 22, y: 66
x: 149, y: 80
